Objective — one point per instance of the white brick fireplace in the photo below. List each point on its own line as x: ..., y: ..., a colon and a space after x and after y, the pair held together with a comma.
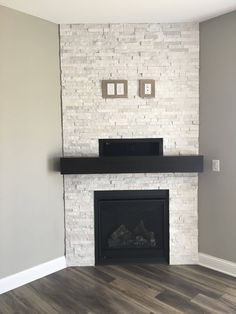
x: 167, y: 53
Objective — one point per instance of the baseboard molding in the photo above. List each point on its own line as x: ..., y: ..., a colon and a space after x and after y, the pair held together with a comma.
x: 218, y: 264
x: 42, y: 270
x: 31, y: 274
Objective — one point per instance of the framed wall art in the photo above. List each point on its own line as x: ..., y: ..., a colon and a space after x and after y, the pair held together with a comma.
x: 147, y: 88
x: 114, y: 88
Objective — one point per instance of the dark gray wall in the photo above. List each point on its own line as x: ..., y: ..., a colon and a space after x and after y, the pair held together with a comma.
x: 217, y: 190
x: 31, y: 193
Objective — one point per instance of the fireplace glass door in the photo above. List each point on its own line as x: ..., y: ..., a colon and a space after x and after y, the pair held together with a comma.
x: 131, y: 226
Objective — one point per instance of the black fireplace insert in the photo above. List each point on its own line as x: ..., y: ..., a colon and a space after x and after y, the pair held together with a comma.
x: 131, y: 226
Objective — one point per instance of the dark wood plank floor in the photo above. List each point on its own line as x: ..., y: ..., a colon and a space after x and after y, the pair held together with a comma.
x: 131, y: 289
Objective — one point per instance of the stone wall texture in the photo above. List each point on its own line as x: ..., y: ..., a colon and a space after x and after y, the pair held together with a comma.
x: 167, y: 53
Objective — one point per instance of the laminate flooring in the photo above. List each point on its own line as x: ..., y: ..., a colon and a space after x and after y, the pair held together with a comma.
x: 125, y: 289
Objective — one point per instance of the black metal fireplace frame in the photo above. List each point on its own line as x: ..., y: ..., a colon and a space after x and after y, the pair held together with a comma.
x: 129, y: 194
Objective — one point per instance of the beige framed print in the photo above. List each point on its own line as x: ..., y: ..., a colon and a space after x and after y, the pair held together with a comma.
x: 114, y: 88
x: 147, y: 88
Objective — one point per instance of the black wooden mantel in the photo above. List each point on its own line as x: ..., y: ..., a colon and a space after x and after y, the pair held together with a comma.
x: 131, y: 164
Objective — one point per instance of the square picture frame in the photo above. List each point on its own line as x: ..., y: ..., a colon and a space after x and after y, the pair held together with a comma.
x: 147, y: 88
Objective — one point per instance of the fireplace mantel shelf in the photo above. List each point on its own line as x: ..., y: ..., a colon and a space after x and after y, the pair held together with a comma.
x: 131, y: 164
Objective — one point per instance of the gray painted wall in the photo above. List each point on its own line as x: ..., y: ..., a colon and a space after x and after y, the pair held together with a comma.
x: 31, y: 193
x: 217, y: 190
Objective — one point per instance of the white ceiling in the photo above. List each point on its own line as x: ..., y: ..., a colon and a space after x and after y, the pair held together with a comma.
x: 122, y: 11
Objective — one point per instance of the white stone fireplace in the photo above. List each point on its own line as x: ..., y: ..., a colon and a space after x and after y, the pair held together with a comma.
x: 80, y: 243
x: 167, y: 53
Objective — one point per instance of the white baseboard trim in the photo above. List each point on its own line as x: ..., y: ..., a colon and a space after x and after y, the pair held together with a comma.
x: 31, y: 274
x: 218, y: 264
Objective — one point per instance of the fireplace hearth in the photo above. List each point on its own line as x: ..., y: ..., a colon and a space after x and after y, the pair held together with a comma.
x: 131, y: 226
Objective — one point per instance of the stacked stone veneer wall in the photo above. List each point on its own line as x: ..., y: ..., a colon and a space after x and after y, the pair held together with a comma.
x: 168, y: 53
